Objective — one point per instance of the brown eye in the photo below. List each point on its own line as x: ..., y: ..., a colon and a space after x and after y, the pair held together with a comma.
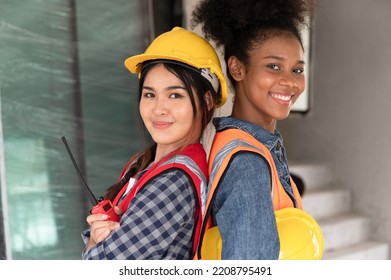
x: 273, y: 66
x: 175, y: 95
x: 298, y: 70
x: 148, y: 95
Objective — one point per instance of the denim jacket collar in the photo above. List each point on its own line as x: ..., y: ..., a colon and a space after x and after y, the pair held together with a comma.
x: 269, y: 139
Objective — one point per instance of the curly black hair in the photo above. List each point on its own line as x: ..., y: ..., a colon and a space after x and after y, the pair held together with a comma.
x: 237, y: 26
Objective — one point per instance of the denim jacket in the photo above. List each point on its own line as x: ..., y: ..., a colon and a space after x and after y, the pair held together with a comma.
x: 243, y: 208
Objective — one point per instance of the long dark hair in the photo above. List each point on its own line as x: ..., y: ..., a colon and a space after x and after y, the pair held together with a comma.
x: 197, y: 86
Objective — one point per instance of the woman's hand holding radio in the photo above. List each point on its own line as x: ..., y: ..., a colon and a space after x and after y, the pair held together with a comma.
x: 101, y: 227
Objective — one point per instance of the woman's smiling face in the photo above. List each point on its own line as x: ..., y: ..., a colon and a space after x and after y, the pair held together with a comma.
x: 272, y: 81
x: 166, y: 109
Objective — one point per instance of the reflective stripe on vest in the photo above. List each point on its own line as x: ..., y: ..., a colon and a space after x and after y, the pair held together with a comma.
x: 173, y: 161
x: 226, y: 144
x: 224, y: 152
x: 195, y: 169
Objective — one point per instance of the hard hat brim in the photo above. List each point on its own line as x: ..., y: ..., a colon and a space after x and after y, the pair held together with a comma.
x: 183, y: 46
x: 134, y: 65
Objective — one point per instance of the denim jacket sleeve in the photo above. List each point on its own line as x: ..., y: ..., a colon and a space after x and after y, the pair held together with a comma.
x: 243, y: 210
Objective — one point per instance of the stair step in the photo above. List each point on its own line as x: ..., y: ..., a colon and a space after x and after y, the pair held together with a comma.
x: 344, y: 230
x: 369, y: 250
x: 347, y: 235
x: 314, y: 175
x: 326, y: 202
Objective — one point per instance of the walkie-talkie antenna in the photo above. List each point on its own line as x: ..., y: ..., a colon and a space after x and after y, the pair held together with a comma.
x: 91, y: 196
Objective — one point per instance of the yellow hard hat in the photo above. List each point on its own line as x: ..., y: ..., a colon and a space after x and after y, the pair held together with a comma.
x: 212, y: 245
x: 187, y: 47
x: 300, y: 237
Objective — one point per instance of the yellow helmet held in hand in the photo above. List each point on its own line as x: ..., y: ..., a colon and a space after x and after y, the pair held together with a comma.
x: 300, y: 237
x: 186, y: 47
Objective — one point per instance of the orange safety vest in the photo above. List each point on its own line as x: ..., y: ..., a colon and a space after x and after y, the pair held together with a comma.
x: 192, y: 160
x: 227, y: 143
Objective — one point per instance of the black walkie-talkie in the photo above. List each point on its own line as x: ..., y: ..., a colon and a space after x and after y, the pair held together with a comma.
x: 100, y: 206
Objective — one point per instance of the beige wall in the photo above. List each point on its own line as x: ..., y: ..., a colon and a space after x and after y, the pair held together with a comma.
x: 349, y: 123
x: 349, y: 126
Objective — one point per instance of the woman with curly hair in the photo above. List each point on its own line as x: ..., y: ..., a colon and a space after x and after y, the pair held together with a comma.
x: 249, y: 174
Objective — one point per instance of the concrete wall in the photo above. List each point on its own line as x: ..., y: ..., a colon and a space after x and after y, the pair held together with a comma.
x: 348, y: 126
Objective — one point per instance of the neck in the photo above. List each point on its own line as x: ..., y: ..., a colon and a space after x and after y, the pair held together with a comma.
x: 247, y: 116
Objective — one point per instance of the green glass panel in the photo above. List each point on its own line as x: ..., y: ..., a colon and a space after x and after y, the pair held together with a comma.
x: 52, y: 86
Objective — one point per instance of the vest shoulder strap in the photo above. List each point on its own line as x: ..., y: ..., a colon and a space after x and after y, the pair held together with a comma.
x: 192, y: 161
x: 226, y: 144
